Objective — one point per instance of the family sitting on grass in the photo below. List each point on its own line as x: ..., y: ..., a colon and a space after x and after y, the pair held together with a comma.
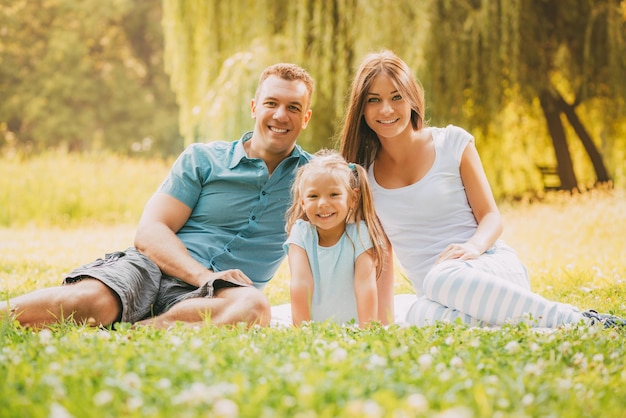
x: 214, y: 233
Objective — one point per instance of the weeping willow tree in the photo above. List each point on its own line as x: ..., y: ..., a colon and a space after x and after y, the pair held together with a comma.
x: 561, y: 54
x: 216, y: 50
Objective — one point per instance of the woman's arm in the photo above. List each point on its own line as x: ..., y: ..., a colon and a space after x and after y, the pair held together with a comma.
x: 365, y: 288
x: 483, y: 206
x: 301, y: 285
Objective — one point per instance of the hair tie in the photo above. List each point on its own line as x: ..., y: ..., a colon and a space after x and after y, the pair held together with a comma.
x: 355, y: 173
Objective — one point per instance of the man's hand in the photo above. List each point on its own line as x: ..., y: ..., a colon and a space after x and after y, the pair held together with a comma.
x: 233, y: 276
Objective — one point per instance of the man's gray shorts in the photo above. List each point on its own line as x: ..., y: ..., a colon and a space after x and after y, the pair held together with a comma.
x: 139, y: 284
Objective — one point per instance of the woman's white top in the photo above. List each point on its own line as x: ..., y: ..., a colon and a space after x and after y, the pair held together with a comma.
x: 422, y: 219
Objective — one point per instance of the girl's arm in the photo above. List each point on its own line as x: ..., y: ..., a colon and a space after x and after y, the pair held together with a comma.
x: 483, y: 206
x: 365, y: 289
x: 301, y: 287
x: 384, y: 284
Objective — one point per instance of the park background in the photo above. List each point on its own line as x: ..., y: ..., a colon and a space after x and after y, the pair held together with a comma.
x: 539, y: 83
x: 98, y: 97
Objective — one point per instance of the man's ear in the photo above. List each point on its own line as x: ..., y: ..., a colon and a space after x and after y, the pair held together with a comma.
x: 253, y: 108
x: 307, y: 118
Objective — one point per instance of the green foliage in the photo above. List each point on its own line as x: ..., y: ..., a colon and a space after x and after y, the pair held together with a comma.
x: 573, y: 246
x: 85, y: 76
x: 69, y: 189
x: 216, y: 51
x: 482, y: 64
x: 319, y: 370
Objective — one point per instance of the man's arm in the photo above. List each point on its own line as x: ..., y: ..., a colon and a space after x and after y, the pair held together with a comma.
x: 156, y: 237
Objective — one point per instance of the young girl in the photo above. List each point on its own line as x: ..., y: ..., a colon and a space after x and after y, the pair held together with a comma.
x: 336, y: 243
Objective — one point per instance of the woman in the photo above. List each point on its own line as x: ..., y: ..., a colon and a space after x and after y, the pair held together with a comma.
x: 436, y: 206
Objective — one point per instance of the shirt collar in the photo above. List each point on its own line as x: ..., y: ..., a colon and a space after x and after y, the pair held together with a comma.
x: 239, y: 152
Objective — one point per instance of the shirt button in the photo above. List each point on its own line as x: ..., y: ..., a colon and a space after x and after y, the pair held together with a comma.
x: 253, y: 218
x: 263, y: 193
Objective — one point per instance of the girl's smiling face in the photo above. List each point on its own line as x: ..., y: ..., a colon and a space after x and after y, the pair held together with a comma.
x: 326, y: 202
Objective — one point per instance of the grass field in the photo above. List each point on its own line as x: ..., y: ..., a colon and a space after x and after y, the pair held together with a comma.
x: 573, y: 246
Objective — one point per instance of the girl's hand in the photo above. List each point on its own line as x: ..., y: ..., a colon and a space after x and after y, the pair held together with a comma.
x: 464, y: 251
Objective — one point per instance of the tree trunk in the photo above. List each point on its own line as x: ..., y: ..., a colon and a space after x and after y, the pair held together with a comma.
x: 565, y: 167
x: 594, y: 155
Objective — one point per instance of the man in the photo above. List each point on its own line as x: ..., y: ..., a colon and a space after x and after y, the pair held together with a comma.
x: 209, y: 239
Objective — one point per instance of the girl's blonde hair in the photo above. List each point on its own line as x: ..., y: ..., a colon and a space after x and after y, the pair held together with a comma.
x: 354, y: 178
x: 358, y: 142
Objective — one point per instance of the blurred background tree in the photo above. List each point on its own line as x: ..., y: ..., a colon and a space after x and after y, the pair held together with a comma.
x: 85, y: 76
x: 526, y: 77
x: 510, y: 71
x: 561, y: 54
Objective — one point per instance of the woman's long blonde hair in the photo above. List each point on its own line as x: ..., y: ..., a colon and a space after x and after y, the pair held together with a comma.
x: 358, y: 142
x: 353, y: 177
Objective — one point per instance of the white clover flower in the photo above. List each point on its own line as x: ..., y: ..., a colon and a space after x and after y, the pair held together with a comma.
x: 449, y: 340
x: 103, y: 334
x: 194, y: 395
x: 286, y: 369
x: 492, y: 380
x: 306, y: 390
x: 512, y: 347
x: 132, y: 380
x: 176, y: 341
x: 372, y: 409
x: 534, y: 369
x: 598, y: 358
x: 304, y: 355
x: 417, y: 402
x: 164, y: 383
x: 225, y: 408
x: 503, y: 403
x: 580, y: 360
x: 59, y: 411
x: 425, y: 361
x: 528, y: 399
x: 102, y: 398
x: 376, y: 360
x: 133, y: 403
x: 564, y: 384
x: 196, y: 343
x: 45, y: 336
x: 534, y: 347
x: 434, y: 350
x: 339, y: 355
x: 445, y: 375
x: 289, y: 401
x: 398, y: 351
x: 566, y: 347
x: 456, y: 361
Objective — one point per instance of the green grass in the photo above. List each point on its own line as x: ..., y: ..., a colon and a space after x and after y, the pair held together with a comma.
x: 573, y: 246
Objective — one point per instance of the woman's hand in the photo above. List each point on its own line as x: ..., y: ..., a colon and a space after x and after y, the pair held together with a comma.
x: 464, y: 251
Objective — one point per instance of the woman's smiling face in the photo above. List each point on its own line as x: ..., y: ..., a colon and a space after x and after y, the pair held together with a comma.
x: 386, y: 112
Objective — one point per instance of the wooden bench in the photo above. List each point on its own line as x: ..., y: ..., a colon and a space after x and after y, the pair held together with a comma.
x: 549, y: 177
